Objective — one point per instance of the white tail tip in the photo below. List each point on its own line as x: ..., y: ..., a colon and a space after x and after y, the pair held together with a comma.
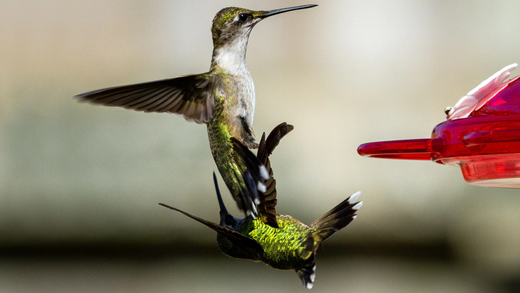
x: 261, y: 187
x: 357, y: 206
x: 264, y: 173
x: 353, y: 198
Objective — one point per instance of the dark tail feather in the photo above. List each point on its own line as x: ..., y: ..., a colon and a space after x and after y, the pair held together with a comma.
x: 251, y: 175
x: 266, y: 149
x: 324, y: 227
x: 308, y: 273
x: 267, y: 207
x: 335, y: 219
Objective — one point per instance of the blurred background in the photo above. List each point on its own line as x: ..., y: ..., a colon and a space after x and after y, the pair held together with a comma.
x: 80, y: 184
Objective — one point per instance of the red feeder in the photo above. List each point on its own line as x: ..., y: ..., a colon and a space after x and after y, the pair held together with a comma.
x: 481, y: 135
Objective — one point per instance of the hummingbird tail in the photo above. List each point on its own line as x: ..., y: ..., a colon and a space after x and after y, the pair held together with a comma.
x: 253, y: 173
x: 267, y: 207
x: 267, y: 146
x: 324, y: 227
x: 335, y: 219
x: 307, y: 274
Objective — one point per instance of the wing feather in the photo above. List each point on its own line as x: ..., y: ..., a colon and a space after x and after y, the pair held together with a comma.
x: 190, y: 96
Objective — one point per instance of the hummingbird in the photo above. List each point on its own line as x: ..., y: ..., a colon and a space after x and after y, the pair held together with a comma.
x: 223, y: 98
x: 288, y: 244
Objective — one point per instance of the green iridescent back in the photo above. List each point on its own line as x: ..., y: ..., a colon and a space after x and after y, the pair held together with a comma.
x: 283, y: 247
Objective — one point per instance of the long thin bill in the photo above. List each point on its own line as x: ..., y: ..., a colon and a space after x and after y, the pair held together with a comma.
x: 282, y: 10
x: 220, y: 201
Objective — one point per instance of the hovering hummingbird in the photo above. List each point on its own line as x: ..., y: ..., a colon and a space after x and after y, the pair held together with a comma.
x: 223, y: 98
x: 280, y: 241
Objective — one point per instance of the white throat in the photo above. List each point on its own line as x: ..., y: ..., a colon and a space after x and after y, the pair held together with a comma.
x: 232, y: 57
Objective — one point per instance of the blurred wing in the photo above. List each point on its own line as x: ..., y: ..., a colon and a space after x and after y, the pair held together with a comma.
x: 253, y: 248
x: 191, y: 96
x: 267, y: 207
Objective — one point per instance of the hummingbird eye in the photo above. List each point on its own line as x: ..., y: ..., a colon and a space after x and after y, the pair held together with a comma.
x: 243, y: 17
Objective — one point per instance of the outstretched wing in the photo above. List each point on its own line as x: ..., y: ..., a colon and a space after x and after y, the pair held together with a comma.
x: 191, y: 96
x: 253, y: 249
x: 267, y: 206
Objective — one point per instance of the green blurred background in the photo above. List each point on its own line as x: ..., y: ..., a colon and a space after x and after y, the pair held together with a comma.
x: 79, y: 184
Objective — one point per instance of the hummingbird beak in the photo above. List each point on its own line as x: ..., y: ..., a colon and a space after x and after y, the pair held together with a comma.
x: 223, y: 209
x: 282, y: 10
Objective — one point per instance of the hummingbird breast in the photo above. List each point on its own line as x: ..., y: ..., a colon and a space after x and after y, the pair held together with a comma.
x: 235, y: 107
x: 237, y: 89
x: 244, y: 88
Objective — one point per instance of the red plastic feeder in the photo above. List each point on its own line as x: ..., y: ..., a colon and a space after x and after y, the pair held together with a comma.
x: 481, y: 135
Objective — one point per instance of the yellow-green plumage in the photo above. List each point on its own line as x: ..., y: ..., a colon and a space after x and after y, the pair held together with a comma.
x: 283, y: 246
x: 280, y: 241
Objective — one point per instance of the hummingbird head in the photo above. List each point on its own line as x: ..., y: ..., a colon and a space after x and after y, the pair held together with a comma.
x: 233, y: 24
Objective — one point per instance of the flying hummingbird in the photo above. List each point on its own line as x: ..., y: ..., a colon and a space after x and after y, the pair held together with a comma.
x: 223, y: 98
x: 288, y: 244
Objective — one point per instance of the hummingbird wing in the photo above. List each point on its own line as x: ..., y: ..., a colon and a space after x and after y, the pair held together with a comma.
x: 267, y: 207
x: 249, y: 245
x: 191, y: 96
